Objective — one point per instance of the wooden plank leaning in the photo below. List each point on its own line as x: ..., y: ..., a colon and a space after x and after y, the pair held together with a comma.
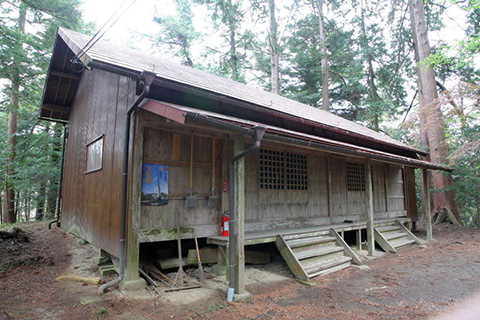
x: 346, y: 248
x: 410, y: 234
x: 292, y: 261
x: 380, y: 239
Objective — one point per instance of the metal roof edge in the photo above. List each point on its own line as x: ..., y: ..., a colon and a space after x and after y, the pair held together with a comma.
x: 167, y: 110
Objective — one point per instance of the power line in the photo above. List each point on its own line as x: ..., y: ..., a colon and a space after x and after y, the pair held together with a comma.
x: 103, y: 29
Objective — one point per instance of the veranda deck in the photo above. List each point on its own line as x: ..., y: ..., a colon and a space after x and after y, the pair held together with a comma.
x: 270, y: 236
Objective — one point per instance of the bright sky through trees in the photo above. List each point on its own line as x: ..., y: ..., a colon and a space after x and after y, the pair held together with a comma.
x: 139, y: 20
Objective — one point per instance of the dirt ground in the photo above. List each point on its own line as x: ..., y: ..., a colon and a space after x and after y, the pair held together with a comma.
x: 415, y: 283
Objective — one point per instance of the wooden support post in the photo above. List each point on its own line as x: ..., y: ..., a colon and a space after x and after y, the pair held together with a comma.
x: 370, y: 235
x: 134, y: 193
x: 426, y: 204
x: 329, y: 186
x: 386, y: 176
x: 239, y: 229
x: 359, y: 239
x: 225, y: 160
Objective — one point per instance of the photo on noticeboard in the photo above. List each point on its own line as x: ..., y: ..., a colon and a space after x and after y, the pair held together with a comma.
x: 154, y: 185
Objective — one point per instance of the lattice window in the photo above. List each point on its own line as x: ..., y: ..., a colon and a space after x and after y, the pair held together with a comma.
x: 355, y: 177
x: 282, y: 170
x: 272, y: 169
x: 296, y: 165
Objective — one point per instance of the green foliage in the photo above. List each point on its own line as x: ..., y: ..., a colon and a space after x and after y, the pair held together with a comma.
x: 462, y: 54
x: 24, y: 60
x: 463, y: 132
x: 467, y: 179
x: 304, y: 71
x: 178, y: 31
x: 228, y: 17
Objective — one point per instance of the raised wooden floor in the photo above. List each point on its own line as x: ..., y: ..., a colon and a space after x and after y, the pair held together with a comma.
x: 270, y: 236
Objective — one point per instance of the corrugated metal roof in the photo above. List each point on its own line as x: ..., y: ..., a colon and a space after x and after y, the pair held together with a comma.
x: 106, y: 52
x: 179, y: 113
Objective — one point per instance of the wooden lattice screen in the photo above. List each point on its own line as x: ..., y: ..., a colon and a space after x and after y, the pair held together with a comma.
x: 355, y: 177
x: 282, y: 170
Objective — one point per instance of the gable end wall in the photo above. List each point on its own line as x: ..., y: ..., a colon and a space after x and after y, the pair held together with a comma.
x: 92, y: 201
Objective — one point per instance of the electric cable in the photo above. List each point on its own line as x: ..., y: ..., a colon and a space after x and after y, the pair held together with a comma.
x: 102, y: 30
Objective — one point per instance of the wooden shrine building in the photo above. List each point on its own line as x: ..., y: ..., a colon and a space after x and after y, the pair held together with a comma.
x: 315, y: 175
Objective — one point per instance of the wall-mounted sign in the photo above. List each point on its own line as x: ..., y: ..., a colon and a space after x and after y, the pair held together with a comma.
x: 154, y: 185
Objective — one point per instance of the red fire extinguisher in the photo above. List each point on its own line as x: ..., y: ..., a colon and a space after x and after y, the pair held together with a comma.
x: 225, y: 225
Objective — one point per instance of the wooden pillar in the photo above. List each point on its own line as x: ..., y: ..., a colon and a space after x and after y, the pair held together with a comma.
x: 370, y: 236
x: 239, y: 229
x: 134, y: 206
x: 359, y: 239
x: 426, y: 204
x: 329, y: 186
x: 226, y: 156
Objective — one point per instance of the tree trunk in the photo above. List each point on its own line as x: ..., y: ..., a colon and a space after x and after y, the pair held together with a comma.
x: 373, y: 91
x: 2, y: 207
x: 10, y: 212
x: 432, y: 118
x: 422, y: 120
x: 40, y: 201
x: 233, y: 43
x: 324, y: 52
x: 274, y: 59
x: 52, y: 193
x: 27, y: 209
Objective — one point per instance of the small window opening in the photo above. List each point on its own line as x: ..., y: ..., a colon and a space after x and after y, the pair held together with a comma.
x: 355, y: 177
x: 95, y: 154
x: 283, y: 170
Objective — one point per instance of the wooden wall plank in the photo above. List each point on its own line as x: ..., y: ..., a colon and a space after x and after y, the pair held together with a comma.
x: 410, y: 193
x: 378, y: 172
x: 91, y: 206
x: 395, y: 195
x: 159, y: 148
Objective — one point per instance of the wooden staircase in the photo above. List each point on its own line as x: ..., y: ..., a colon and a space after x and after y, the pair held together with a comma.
x: 393, y: 236
x: 315, y: 253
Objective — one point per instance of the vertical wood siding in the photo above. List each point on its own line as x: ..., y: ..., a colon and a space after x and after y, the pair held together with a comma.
x: 265, y: 208
x: 91, y: 202
x: 159, y: 148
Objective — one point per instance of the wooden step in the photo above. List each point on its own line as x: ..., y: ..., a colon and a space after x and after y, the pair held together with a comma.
x: 330, y: 270
x: 390, y: 236
x: 325, y: 264
x: 301, y: 253
x: 390, y: 228
x: 287, y: 237
x: 317, y: 259
x: 290, y: 259
x: 309, y: 241
x: 401, y: 242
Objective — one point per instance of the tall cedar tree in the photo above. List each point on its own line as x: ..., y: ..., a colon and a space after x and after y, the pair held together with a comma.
x: 228, y: 14
x: 274, y: 49
x: 431, y: 118
x: 318, y: 5
x: 10, y: 214
x: 24, y: 57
